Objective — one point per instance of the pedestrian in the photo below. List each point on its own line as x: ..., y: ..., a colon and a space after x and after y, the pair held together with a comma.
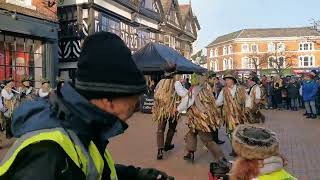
x: 277, y: 93
x: 258, y: 155
x: 215, y: 86
x: 254, y: 96
x: 60, y: 84
x: 203, y: 117
x: 9, y: 102
x: 293, y: 94
x: 309, y: 92
x: 66, y: 136
x: 233, y: 98
x: 187, y: 84
x: 45, y: 89
x: 165, y: 111
x: 27, y: 92
x: 269, y: 92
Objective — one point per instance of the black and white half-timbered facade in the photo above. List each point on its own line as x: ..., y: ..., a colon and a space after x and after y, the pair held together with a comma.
x: 137, y: 22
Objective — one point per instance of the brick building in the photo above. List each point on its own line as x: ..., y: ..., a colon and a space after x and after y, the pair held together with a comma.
x: 293, y: 50
x: 28, y: 39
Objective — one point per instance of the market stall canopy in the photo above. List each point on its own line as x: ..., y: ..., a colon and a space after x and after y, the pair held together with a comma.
x: 155, y: 57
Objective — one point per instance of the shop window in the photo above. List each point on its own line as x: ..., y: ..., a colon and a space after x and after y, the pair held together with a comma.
x: 20, y: 57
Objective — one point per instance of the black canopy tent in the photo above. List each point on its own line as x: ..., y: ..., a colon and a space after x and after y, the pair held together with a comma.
x: 154, y: 58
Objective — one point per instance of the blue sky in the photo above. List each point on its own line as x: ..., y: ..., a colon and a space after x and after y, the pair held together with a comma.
x: 218, y: 17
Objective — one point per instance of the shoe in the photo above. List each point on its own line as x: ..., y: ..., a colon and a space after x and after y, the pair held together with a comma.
x: 219, y: 142
x: 305, y: 114
x: 313, y: 116
x: 189, y: 156
x: 160, y: 154
x: 168, y: 147
x: 309, y: 115
x: 233, y: 154
x: 220, y: 168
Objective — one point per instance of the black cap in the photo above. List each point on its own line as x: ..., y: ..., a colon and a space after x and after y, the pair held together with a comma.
x: 106, y: 68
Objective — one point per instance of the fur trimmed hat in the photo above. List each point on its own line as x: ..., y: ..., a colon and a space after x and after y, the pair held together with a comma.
x: 252, y: 142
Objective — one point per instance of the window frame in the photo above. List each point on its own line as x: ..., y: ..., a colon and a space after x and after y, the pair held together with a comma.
x: 257, y: 48
x: 310, y: 46
x: 216, y: 52
x: 273, y: 47
x: 230, y: 48
x: 311, y: 61
x: 243, y: 49
x: 211, y: 53
x: 225, y: 50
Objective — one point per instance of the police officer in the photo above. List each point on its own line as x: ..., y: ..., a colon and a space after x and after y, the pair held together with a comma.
x: 66, y: 136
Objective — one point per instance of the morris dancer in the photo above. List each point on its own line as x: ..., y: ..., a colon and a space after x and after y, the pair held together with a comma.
x: 165, y: 111
x: 255, y: 100
x: 9, y: 101
x: 26, y: 91
x: 203, y: 118
x: 233, y: 98
x: 45, y: 89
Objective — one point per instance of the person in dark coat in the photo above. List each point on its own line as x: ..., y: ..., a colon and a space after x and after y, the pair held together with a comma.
x: 66, y: 137
x: 309, y: 92
x: 293, y: 94
x: 277, y: 93
x: 187, y: 84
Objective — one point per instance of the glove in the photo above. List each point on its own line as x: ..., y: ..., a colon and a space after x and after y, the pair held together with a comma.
x: 153, y: 174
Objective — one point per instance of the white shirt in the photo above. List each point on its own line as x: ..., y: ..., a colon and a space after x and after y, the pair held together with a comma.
x: 220, y: 99
x: 258, y: 91
x: 43, y: 94
x: 6, y: 95
x: 180, y: 90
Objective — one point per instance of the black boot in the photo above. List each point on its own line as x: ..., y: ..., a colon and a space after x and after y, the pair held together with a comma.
x: 313, y: 116
x: 168, y: 147
x: 160, y: 154
x: 233, y: 153
x: 215, y: 136
x: 309, y: 115
x: 220, y: 168
x: 305, y: 114
x: 189, y: 156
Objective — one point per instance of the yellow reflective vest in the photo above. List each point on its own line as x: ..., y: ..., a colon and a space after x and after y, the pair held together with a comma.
x: 87, y: 159
x: 278, y: 175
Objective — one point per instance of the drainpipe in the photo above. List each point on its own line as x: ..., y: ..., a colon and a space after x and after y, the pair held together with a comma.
x: 91, y: 20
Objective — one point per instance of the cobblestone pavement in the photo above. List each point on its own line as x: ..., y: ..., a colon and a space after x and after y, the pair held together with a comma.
x: 299, y: 137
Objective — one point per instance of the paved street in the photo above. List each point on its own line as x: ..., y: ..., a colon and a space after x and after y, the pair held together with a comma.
x: 299, y: 143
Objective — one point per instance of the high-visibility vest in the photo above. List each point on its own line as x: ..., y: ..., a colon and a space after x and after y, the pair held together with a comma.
x: 87, y: 159
x: 278, y: 175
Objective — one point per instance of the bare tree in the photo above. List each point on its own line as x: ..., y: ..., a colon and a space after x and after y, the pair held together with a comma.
x: 278, y: 60
x: 257, y: 60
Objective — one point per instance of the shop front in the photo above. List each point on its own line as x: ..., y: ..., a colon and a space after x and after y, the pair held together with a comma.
x: 28, y: 48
